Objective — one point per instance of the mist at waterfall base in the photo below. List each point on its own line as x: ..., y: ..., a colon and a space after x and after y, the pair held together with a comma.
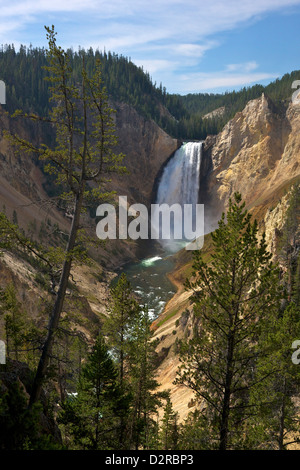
x: 179, y: 184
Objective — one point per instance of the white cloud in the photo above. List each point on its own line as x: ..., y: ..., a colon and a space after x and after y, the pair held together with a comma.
x: 206, y: 82
x: 164, y: 36
x: 246, y: 67
x: 193, y: 50
x: 153, y: 66
x: 185, y: 19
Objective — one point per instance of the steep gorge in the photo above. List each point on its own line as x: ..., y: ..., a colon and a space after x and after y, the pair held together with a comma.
x: 257, y: 154
x: 26, y: 195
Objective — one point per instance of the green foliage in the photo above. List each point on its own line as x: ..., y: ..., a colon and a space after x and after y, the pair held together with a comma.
x: 233, y: 295
x: 141, y: 372
x: 21, y: 334
x: 130, y: 338
x: 193, y: 433
x: 92, y: 416
x: 288, y: 245
x: 275, y: 423
x: 20, y: 428
x: 169, y: 432
x: 15, y: 322
x: 123, y: 311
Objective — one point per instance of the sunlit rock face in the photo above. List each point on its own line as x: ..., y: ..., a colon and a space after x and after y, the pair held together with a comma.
x: 146, y: 148
x: 257, y: 152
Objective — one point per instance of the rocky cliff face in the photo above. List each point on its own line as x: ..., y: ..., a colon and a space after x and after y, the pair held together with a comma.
x: 21, y: 178
x: 257, y: 153
x: 146, y: 147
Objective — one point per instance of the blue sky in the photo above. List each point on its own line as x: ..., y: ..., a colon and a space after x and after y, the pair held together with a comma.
x: 189, y: 46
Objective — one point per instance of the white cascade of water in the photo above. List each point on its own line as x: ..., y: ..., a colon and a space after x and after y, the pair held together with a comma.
x: 180, y: 183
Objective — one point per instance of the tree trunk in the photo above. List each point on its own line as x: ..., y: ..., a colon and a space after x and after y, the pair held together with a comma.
x: 282, y: 418
x: 58, y: 306
x: 224, y: 428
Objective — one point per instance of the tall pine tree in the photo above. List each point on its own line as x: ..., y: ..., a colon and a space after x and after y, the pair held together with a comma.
x: 232, y: 295
x: 91, y: 417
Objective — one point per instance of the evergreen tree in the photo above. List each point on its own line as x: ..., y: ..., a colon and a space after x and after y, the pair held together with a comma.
x: 146, y: 400
x: 122, y: 313
x: 20, y: 428
x: 289, y: 243
x: 233, y: 294
x: 193, y: 433
x: 275, y: 424
x: 169, y: 433
x: 83, y: 153
x: 20, y: 332
x: 14, y: 320
x: 91, y: 417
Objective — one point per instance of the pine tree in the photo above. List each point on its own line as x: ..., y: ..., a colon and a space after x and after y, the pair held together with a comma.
x: 21, y: 428
x: 169, y: 433
x: 83, y: 154
x: 193, y: 433
x: 91, y: 417
x: 289, y: 242
x: 232, y: 295
x: 275, y: 424
x: 146, y: 400
x: 16, y: 326
x: 122, y: 313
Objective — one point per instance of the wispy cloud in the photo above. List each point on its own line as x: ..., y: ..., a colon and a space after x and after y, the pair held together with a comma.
x: 245, y: 67
x: 163, y: 35
x: 184, y: 21
x: 234, y: 75
x: 154, y: 66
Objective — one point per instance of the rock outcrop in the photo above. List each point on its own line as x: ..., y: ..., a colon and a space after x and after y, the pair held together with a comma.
x: 146, y: 147
x: 256, y: 153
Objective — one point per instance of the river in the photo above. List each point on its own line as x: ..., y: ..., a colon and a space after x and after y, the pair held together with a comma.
x: 150, y: 283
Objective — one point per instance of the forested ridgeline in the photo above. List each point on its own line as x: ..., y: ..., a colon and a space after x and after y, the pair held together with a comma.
x: 181, y: 116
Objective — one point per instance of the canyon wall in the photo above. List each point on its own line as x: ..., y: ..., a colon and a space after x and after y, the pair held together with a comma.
x: 257, y: 154
x: 25, y: 196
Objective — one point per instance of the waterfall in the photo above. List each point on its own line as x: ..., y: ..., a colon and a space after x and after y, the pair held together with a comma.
x: 179, y: 184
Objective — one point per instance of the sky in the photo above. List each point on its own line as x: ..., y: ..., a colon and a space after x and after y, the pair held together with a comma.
x: 188, y: 46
